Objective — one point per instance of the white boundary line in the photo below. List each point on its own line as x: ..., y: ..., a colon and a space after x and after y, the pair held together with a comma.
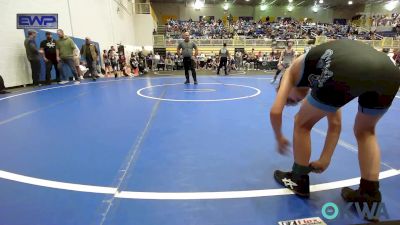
x: 244, y: 194
x: 183, y: 195
x: 397, y: 96
x: 55, y: 184
x: 139, y: 92
x: 57, y: 87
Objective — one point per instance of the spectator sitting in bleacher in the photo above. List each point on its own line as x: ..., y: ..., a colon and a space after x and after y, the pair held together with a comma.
x: 161, y: 64
x: 169, y: 63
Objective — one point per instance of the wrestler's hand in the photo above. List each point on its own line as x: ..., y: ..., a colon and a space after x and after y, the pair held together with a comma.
x: 320, y: 165
x: 283, y: 145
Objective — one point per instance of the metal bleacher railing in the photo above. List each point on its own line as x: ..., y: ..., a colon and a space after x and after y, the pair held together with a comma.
x: 161, y: 42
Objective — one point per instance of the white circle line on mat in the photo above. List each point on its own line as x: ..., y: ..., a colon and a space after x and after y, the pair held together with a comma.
x: 139, y: 92
x: 199, y: 90
x: 182, y: 195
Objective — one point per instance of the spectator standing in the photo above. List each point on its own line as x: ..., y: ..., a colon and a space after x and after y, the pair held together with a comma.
x: 156, y: 61
x: 77, y: 62
x: 65, y: 55
x: 396, y: 57
x: 91, y: 55
x: 113, y: 56
x: 32, y: 52
x: 48, y: 50
x: 232, y: 64
x: 246, y: 61
x: 252, y: 59
x: 133, y: 63
x: 161, y: 64
x: 215, y: 63
x: 142, y: 63
x: 149, y: 61
x: 107, y: 63
x: 169, y: 64
x: 122, y: 63
x: 202, y: 61
x: 239, y: 59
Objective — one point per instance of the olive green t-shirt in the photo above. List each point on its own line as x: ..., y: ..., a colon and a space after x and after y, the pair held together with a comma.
x: 66, y: 47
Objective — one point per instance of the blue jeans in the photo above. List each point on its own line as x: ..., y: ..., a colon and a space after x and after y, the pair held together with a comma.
x: 70, y: 63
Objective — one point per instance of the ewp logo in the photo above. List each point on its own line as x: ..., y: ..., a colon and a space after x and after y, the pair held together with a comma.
x: 37, y: 21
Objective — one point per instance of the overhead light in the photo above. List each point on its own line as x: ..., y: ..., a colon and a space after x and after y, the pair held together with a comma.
x: 247, y: 0
x: 321, y: 1
x: 350, y: 2
x: 225, y: 6
x: 290, y: 8
x: 315, y: 8
x: 198, y: 4
x: 290, y: 1
x: 263, y: 7
x: 391, y: 5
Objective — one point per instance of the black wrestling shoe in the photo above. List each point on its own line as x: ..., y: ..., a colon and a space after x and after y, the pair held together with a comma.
x: 195, y: 83
x: 187, y: 82
x: 360, y: 197
x: 4, y: 92
x: 299, y: 185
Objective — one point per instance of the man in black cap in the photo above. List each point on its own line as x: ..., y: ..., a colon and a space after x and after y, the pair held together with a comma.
x: 32, y: 52
x: 48, y: 50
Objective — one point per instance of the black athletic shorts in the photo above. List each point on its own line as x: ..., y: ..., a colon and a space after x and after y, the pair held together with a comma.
x: 339, y: 71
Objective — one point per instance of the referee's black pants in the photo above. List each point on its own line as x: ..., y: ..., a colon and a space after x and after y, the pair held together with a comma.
x: 222, y: 63
x: 189, y: 64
